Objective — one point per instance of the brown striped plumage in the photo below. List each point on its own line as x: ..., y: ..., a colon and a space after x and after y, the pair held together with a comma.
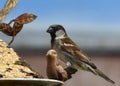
x: 69, y: 52
x: 17, y: 25
x: 25, y: 18
x: 6, y: 29
x: 54, y: 70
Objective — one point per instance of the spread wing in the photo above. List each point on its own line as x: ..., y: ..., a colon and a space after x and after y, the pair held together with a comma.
x: 70, y: 49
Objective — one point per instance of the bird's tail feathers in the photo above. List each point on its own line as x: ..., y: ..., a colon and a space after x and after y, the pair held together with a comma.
x: 91, y: 70
x: 100, y: 73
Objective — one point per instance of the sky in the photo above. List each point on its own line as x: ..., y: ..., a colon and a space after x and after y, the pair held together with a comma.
x: 101, y: 17
x: 71, y: 13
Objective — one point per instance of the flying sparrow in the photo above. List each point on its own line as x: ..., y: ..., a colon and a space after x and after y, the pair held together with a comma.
x: 17, y: 25
x: 70, y: 53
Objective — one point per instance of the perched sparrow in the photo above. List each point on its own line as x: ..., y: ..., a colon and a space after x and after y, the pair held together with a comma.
x: 70, y: 53
x: 55, y: 70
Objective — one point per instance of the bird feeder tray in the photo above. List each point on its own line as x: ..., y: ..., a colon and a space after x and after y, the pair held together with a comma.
x: 29, y: 82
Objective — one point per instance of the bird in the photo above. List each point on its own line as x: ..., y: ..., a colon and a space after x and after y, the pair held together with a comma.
x: 69, y: 52
x: 17, y: 25
x: 54, y: 70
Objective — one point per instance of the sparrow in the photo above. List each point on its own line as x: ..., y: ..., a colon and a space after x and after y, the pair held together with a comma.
x: 70, y: 53
x: 17, y: 25
x: 55, y: 70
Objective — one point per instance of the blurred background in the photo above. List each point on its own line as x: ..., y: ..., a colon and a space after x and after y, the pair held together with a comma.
x: 92, y: 24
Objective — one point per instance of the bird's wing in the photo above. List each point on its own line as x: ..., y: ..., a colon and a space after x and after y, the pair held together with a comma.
x: 71, y: 49
x: 61, y: 73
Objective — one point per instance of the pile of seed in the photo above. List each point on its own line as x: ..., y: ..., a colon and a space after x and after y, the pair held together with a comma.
x: 13, y: 66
